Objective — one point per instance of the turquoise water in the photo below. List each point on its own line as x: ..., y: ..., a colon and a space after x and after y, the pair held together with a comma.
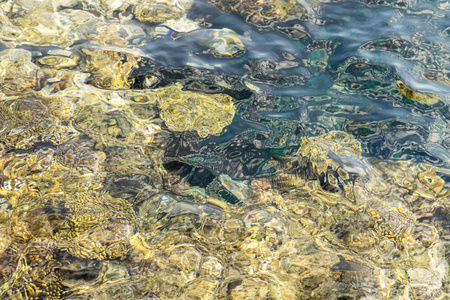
x: 280, y: 149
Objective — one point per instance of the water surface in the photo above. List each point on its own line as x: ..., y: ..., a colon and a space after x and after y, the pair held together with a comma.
x: 217, y: 149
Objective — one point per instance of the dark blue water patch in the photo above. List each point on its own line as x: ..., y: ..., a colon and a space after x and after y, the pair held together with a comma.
x: 382, y: 110
x: 395, y: 112
x: 162, y: 50
x: 290, y: 115
x: 425, y: 6
x: 316, y: 85
x: 295, y: 71
x: 240, y: 125
x: 443, y: 22
x: 298, y: 91
x: 265, y: 45
x: 352, y: 24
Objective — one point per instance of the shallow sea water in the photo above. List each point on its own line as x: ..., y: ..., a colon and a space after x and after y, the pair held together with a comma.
x: 278, y: 149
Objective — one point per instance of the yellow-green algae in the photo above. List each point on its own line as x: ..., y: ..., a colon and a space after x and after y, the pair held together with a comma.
x: 184, y: 110
x: 415, y: 95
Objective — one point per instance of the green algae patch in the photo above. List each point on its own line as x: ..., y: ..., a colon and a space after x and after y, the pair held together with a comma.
x: 415, y: 95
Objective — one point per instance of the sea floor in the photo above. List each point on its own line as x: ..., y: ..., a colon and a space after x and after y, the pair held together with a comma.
x: 224, y: 149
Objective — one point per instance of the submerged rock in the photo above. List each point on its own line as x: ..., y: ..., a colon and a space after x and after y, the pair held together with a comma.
x: 30, y: 120
x: 110, y: 69
x: 18, y: 74
x: 159, y: 11
x: 92, y: 225
x: 207, y: 114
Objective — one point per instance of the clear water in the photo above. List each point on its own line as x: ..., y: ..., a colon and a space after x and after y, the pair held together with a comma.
x: 274, y: 149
